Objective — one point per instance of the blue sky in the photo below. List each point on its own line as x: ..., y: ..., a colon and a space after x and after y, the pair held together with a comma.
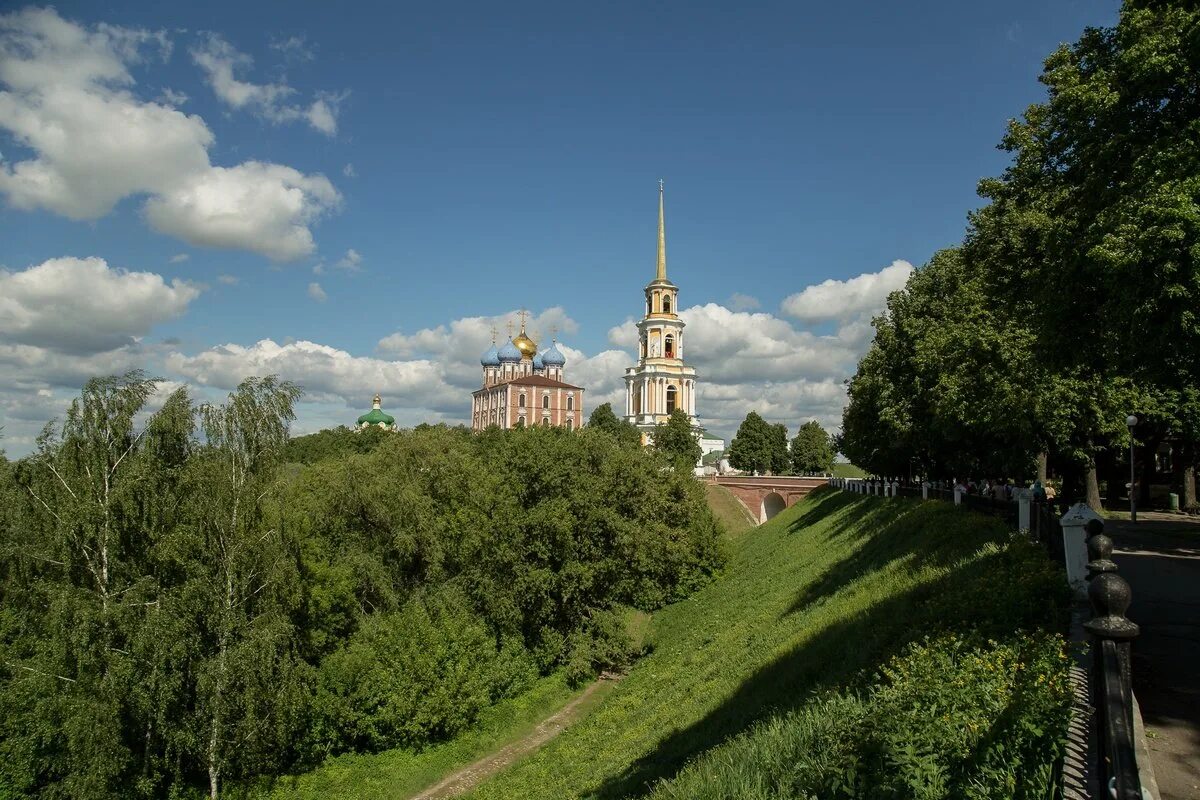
x: 461, y: 161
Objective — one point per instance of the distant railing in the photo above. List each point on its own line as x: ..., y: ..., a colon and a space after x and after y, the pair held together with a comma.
x: 1110, y: 687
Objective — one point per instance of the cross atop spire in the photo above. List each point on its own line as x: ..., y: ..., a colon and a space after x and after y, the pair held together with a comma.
x: 522, y: 314
x: 662, y: 237
x: 493, y: 334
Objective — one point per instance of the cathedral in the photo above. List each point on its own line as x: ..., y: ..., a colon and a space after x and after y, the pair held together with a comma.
x: 522, y: 386
x: 661, y: 382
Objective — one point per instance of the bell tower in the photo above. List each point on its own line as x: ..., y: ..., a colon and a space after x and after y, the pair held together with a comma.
x: 661, y: 382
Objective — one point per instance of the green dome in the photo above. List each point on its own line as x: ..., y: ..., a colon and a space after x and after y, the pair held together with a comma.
x: 376, y: 417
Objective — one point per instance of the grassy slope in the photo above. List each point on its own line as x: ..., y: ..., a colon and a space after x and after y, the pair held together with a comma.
x: 726, y: 508
x: 396, y: 774
x: 848, y: 471
x: 830, y: 587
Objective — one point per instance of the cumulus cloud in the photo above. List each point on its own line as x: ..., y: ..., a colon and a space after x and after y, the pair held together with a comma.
x: 842, y: 300
x: 349, y: 171
x: 293, y: 49
x: 742, y: 302
x: 68, y: 97
x: 270, y: 101
x: 317, y: 293
x: 350, y: 262
x: 326, y: 373
x: 179, y: 258
x: 263, y: 208
x: 83, y: 306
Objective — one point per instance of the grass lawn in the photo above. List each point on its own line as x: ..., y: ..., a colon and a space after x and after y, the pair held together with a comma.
x: 398, y: 774
x: 728, y: 509
x: 821, y: 597
x: 848, y: 471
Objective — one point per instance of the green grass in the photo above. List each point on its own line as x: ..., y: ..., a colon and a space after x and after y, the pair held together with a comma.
x: 826, y: 593
x: 848, y: 471
x: 397, y: 774
x: 728, y: 509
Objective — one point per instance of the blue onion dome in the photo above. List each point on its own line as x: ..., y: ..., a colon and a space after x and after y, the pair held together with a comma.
x: 509, y: 354
x: 491, y: 358
x: 537, y: 362
x: 554, y: 357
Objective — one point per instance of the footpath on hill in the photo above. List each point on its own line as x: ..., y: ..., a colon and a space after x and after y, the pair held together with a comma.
x: 463, y: 780
x: 1160, y: 557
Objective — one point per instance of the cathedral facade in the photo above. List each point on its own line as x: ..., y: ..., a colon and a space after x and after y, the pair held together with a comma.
x: 662, y: 381
x: 522, y: 386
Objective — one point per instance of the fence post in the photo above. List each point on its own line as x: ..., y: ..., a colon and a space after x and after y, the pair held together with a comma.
x: 924, y: 490
x: 1075, y: 555
x: 1023, y: 496
x: 1111, y: 634
x: 957, y: 495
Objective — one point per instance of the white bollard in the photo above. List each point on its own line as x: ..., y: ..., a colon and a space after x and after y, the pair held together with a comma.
x: 924, y: 490
x: 1023, y: 496
x: 958, y: 494
x: 1074, y: 530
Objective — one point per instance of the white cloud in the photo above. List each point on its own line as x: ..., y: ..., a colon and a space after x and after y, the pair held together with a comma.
x: 220, y: 61
x: 68, y: 97
x: 317, y: 293
x: 263, y: 208
x: 170, y: 97
x: 325, y: 373
x: 82, y: 306
x: 293, y: 49
x: 179, y: 258
x: 843, y: 300
x: 742, y: 302
x: 350, y: 262
x: 228, y: 280
x: 349, y: 171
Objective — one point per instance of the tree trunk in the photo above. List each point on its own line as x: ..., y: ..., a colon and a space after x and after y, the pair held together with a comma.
x: 1189, y: 487
x: 1093, y: 488
x: 1042, y: 459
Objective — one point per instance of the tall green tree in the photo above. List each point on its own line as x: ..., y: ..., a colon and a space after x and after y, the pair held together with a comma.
x: 780, y: 463
x: 811, y: 449
x: 676, y: 439
x: 752, y: 447
x: 604, y: 419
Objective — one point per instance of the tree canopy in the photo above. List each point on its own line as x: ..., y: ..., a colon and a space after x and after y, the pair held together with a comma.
x: 811, y: 449
x: 759, y: 446
x: 676, y: 439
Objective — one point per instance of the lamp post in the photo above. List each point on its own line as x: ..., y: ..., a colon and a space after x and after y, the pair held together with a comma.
x: 1131, y: 422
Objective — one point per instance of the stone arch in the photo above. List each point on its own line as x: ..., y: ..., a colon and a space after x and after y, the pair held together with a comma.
x: 772, y: 504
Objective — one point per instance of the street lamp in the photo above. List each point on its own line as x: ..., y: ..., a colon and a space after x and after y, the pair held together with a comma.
x: 1131, y: 422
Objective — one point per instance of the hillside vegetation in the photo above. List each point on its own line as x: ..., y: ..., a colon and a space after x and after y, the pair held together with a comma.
x: 854, y: 647
x: 728, y: 510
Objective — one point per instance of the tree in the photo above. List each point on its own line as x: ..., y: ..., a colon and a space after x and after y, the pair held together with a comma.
x: 812, y: 449
x: 677, y: 440
x: 605, y: 420
x: 753, y: 449
x: 780, y: 464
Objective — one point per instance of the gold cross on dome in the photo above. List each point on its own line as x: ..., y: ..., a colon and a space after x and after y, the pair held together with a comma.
x: 522, y: 314
x: 494, y: 334
x: 508, y: 326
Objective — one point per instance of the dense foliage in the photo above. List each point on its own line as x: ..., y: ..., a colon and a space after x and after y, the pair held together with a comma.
x: 177, y: 613
x: 677, y: 441
x: 603, y: 419
x: 811, y: 450
x: 855, y: 647
x: 759, y: 447
x: 1073, y: 299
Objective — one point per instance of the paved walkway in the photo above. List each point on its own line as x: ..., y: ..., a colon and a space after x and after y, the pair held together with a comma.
x: 1160, y: 557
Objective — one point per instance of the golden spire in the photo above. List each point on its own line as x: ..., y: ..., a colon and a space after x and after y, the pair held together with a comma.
x: 662, y: 237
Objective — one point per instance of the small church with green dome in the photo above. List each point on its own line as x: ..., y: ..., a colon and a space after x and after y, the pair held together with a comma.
x: 376, y: 418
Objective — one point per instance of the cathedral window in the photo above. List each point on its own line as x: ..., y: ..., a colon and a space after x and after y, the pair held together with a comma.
x: 570, y: 402
x: 570, y: 424
x: 545, y: 422
x: 670, y: 398
x: 666, y: 304
x: 545, y: 401
x: 670, y: 348
x: 521, y: 401
x: 521, y: 421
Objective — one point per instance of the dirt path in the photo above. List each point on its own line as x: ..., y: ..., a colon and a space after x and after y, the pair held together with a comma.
x: 463, y: 780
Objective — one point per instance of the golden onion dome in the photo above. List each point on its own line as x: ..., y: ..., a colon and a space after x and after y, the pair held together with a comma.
x: 526, y: 345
